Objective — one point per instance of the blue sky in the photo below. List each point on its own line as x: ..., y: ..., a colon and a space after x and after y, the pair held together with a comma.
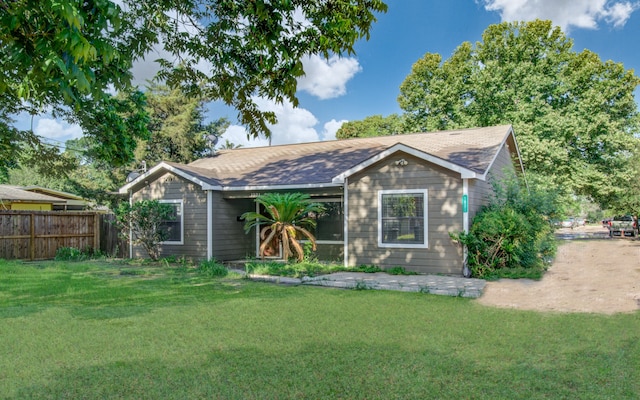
x: 353, y: 87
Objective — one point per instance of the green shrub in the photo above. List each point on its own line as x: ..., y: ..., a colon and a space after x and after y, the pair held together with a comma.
x: 511, y: 236
x: 370, y: 269
x: 75, y: 254
x: 213, y: 268
x: 399, y: 271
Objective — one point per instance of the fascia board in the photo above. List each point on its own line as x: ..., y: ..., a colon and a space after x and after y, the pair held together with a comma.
x: 172, y: 169
x: 280, y: 187
x: 509, y: 133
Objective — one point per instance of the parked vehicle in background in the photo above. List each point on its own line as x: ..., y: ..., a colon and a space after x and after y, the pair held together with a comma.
x: 623, y: 225
x: 569, y: 223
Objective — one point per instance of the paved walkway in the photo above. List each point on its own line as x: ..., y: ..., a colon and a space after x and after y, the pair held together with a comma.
x: 434, y: 284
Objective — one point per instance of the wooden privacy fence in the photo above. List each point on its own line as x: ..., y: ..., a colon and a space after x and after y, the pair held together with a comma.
x: 37, y: 235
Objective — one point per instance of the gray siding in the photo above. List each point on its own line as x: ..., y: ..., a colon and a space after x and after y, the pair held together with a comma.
x: 481, y: 191
x: 172, y: 187
x: 444, y: 215
x: 229, y: 240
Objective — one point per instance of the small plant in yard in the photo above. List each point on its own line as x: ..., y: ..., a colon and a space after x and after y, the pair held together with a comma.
x: 399, y: 271
x: 284, y: 222
x: 370, y: 269
x: 141, y: 223
x: 213, y: 268
x: 75, y: 254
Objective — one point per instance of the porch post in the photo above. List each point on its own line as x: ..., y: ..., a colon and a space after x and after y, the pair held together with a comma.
x: 465, y: 225
x: 130, y: 227
x: 345, y: 223
x: 209, y: 225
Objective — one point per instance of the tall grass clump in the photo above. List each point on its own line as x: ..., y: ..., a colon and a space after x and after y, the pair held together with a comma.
x: 213, y: 268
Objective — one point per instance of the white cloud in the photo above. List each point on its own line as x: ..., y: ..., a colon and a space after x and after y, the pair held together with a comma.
x: 295, y: 125
x: 327, y: 79
x: 330, y: 129
x: 566, y: 14
x: 237, y: 135
x: 57, y: 130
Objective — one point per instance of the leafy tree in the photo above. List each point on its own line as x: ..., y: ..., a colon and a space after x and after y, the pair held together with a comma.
x: 285, y: 218
x: 575, y: 116
x: 375, y: 125
x: 175, y: 127
x: 141, y: 223
x: 66, y: 55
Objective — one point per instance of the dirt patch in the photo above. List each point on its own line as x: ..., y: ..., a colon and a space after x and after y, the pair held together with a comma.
x: 599, y: 275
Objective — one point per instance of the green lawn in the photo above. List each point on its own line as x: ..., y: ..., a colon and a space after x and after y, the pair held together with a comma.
x: 97, y: 329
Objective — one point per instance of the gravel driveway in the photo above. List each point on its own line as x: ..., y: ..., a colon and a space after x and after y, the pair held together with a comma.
x: 591, y: 273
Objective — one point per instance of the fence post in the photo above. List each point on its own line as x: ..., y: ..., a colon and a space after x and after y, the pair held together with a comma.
x: 96, y: 232
x: 32, y: 241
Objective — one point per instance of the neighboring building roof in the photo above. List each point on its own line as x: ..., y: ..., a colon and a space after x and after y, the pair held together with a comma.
x: 52, y: 192
x: 17, y: 194
x: 468, y: 151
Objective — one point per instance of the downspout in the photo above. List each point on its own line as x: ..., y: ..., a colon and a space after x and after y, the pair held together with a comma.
x: 345, y: 223
x: 465, y: 225
x: 209, y: 224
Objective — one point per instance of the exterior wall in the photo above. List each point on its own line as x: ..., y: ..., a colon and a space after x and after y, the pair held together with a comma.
x: 481, y: 191
x: 444, y: 215
x: 229, y: 240
x: 31, y: 206
x: 173, y: 187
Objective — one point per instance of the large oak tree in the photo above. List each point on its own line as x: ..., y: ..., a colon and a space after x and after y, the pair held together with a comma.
x: 65, y: 56
x: 574, y: 115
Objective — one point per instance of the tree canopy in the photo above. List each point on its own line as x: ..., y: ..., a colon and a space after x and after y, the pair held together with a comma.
x: 66, y: 56
x: 375, y: 125
x: 574, y: 115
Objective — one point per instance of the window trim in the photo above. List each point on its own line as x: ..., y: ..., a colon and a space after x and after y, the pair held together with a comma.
x: 424, y: 193
x: 181, y: 241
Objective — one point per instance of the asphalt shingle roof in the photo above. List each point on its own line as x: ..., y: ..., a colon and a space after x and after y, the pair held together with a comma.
x: 15, y: 193
x: 320, y: 162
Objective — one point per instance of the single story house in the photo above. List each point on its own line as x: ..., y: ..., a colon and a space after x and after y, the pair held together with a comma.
x: 37, y: 198
x: 390, y: 200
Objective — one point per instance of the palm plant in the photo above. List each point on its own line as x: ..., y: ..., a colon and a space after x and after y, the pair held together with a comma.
x: 286, y: 217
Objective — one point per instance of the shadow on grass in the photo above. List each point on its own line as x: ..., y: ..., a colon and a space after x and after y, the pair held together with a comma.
x: 353, y: 370
x: 103, y: 291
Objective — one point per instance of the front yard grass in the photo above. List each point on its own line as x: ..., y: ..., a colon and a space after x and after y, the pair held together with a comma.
x: 103, y: 330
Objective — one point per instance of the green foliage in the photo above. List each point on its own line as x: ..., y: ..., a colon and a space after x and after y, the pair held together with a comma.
x: 68, y: 56
x: 574, y: 115
x: 371, y: 269
x: 295, y: 270
x: 176, y: 126
x: 399, y: 271
x: 141, y: 223
x: 285, y: 219
x: 375, y: 125
x: 512, y: 232
x: 213, y: 268
x: 75, y: 254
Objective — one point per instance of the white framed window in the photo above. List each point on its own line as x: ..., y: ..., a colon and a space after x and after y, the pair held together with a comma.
x: 174, y: 226
x: 402, y: 218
